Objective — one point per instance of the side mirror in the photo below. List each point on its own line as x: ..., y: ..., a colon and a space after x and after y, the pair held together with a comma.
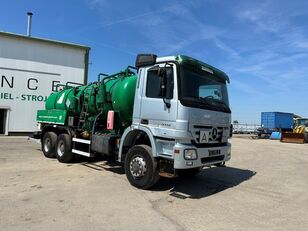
x: 162, y: 73
x: 162, y: 85
x: 144, y: 60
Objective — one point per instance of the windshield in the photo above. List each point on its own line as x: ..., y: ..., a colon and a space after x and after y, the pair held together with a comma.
x: 300, y: 122
x: 203, y: 89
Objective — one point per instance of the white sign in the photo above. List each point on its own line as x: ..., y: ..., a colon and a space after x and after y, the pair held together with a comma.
x: 204, y: 136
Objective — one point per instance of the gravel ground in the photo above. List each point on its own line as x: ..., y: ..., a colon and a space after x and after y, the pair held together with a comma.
x: 263, y: 187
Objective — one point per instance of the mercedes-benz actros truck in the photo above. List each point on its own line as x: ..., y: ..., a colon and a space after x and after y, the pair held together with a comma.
x: 166, y: 116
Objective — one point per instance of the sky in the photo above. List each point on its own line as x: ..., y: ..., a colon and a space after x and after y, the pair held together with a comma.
x: 261, y: 45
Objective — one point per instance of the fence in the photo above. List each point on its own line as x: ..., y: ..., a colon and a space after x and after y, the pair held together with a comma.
x: 241, y: 128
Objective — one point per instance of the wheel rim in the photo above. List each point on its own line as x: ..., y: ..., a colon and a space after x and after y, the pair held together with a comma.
x: 47, y: 145
x: 61, y: 148
x: 137, y: 167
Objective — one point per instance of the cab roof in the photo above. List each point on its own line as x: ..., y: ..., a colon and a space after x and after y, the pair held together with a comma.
x: 183, y: 59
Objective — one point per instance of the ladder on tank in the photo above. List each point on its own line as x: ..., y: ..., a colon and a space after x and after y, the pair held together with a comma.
x: 83, y: 116
x: 82, y: 146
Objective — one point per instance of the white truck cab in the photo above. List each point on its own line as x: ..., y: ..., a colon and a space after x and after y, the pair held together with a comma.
x: 181, y: 108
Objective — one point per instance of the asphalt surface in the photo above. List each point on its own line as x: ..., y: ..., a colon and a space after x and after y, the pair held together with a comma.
x: 263, y: 187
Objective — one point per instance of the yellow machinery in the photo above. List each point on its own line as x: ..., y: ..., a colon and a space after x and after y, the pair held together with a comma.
x: 299, y: 134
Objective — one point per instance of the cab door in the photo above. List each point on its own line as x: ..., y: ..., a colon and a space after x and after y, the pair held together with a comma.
x: 156, y: 110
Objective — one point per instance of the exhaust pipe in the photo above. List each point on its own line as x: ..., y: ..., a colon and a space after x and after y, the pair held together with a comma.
x: 29, y: 23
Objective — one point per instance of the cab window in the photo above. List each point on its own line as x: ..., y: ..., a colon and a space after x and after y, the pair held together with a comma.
x: 153, y: 89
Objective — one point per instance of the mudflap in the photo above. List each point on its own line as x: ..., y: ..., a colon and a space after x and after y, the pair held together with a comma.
x: 36, y: 135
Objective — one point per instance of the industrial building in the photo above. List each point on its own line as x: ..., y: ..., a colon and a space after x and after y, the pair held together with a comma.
x: 30, y: 70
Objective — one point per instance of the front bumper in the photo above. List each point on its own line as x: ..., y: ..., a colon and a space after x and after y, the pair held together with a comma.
x: 204, y: 158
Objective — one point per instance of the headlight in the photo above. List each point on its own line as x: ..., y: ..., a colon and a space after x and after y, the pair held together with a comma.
x: 190, y: 154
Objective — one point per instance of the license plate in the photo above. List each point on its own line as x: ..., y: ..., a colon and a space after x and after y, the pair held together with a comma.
x: 204, y: 136
x: 214, y: 152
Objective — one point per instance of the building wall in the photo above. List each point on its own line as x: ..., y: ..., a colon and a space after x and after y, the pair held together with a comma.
x: 29, y: 72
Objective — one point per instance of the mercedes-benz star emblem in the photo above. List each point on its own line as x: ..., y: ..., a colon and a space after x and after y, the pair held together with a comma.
x: 214, y: 133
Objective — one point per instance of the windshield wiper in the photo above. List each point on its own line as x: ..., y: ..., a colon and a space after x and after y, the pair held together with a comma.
x: 204, y: 103
x: 201, y: 101
x: 220, y: 102
x: 227, y: 108
x: 213, y: 101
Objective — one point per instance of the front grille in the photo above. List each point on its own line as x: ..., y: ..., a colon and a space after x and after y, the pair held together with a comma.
x: 195, y: 129
x: 210, y: 159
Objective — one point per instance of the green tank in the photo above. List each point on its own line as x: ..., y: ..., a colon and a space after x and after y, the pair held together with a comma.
x: 93, y: 101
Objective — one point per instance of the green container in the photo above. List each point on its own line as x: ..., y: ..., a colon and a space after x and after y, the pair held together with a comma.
x: 65, y: 100
x: 117, y: 94
x: 122, y: 95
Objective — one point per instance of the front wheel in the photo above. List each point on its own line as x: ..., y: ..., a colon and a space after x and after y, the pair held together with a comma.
x: 64, y: 149
x: 140, y: 167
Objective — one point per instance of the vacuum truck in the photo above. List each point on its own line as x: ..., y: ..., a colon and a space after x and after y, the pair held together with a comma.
x: 166, y: 116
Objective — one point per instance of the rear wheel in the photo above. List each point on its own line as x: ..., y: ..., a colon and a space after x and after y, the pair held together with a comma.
x: 140, y: 167
x: 49, y: 142
x: 64, y: 149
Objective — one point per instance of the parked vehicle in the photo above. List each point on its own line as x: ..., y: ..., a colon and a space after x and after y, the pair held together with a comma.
x: 299, y: 133
x: 275, y: 122
x: 167, y: 116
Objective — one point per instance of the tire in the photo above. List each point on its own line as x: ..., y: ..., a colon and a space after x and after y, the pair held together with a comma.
x: 48, y: 144
x: 64, y: 149
x: 188, y: 172
x: 306, y: 137
x: 140, y: 167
